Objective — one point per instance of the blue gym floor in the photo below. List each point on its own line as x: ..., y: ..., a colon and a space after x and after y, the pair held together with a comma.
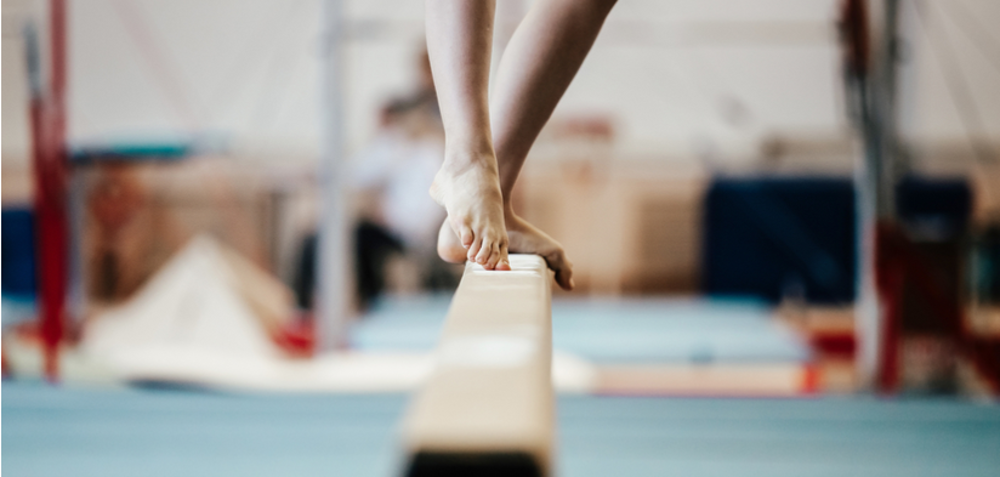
x: 609, y: 331
x: 52, y: 431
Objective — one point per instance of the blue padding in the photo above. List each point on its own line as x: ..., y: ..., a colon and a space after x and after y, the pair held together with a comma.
x: 132, y: 152
x: 18, y: 266
x: 609, y: 331
x: 941, y: 204
x: 80, y: 432
x: 660, y: 331
x: 401, y: 324
x: 768, y: 237
x: 67, y: 431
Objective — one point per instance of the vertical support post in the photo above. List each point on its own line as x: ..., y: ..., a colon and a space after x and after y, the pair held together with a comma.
x: 48, y: 129
x: 885, y: 111
x: 876, y: 183
x: 887, y: 273
x: 333, y: 280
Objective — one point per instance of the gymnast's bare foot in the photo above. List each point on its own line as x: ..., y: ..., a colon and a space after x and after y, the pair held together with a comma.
x: 468, y: 187
x: 524, y: 238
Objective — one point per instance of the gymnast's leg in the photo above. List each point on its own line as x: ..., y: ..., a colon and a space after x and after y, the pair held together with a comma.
x: 459, y: 43
x: 538, y: 65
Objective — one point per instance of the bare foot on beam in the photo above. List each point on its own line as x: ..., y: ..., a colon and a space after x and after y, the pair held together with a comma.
x: 467, y: 186
x: 524, y: 238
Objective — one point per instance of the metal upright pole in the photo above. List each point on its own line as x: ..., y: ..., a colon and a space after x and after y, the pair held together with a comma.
x: 876, y: 183
x: 48, y: 127
x: 888, y: 278
x: 333, y: 280
x: 885, y: 83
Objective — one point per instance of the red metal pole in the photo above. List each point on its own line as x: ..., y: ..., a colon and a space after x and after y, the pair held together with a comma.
x: 889, y: 273
x: 48, y: 117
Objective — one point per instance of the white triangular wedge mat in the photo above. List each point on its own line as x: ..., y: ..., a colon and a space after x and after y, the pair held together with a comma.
x: 190, y: 324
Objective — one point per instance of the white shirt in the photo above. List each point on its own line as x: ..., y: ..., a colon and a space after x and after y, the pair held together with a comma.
x: 403, y: 168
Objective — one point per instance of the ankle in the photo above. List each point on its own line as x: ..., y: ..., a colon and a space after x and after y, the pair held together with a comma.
x: 458, y: 160
x: 469, y: 143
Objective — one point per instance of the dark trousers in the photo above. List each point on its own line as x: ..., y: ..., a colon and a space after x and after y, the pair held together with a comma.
x: 373, y: 245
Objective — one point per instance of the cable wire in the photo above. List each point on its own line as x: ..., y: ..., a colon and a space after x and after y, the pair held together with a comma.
x: 958, y: 89
x: 973, y: 29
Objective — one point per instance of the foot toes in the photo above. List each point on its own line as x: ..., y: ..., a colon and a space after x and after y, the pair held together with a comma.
x: 503, y: 262
x: 473, y: 250
x: 494, y: 258
x: 565, y: 279
x: 485, y: 251
x: 462, y: 230
x: 564, y: 270
x: 466, y: 237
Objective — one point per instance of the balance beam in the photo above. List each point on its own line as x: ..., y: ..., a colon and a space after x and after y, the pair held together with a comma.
x: 487, y: 408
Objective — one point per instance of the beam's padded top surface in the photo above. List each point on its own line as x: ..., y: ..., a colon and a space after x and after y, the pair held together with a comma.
x: 491, y: 388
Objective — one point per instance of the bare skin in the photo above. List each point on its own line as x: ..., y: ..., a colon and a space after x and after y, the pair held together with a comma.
x: 459, y: 41
x: 538, y: 65
x: 524, y: 238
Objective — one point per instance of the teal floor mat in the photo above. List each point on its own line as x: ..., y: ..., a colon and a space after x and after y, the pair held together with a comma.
x: 51, y: 431
x: 611, y: 330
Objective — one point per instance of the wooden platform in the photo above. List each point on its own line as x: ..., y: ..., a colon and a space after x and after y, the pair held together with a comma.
x: 488, y: 404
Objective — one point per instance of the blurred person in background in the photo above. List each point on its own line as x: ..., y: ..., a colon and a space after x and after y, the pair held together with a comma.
x: 395, y: 214
x: 487, y: 143
x: 395, y: 218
